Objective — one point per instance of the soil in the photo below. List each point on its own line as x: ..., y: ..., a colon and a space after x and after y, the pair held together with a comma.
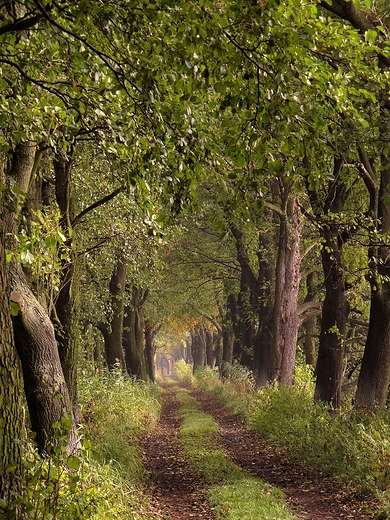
x: 177, y: 494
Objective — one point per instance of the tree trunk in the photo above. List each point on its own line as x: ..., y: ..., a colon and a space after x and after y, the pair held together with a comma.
x: 44, y: 383
x: 66, y: 302
x: 133, y: 334
x: 228, y: 329
x: 11, y: 415
x: 114, y: 332
x: 209, y: 344
x: 287, y: 279
x: 198, y: 348
x: 311, y: 324
x: 335, y: 309
x: 45, y: 387
x: 263, y: 342
x: 150, y: 350
x: 374, y: 374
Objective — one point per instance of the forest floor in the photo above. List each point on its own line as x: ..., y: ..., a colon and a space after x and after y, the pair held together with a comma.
x: 178, y: 494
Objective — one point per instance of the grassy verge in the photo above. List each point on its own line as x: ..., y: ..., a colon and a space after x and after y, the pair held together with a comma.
x: 349, y: 444
x: 233, y: 494
x: 105, y: 479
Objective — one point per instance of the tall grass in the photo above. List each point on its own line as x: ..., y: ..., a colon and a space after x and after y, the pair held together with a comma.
x: 349, y: 444
x: 104, y: 481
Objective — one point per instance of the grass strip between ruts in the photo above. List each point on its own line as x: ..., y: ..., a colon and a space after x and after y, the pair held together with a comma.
x: 232, y: 492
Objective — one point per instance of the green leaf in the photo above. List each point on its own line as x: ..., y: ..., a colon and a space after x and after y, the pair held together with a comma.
x: 14, y: 308
x: 74, y: 462
x: 51, y: 242
x: 370, y: 36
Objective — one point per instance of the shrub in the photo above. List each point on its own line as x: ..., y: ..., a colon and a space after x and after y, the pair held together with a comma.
x: 183, y: 371
x: 103, y: 480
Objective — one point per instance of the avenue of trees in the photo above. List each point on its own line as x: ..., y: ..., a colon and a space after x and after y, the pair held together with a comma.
x: 218, y: 170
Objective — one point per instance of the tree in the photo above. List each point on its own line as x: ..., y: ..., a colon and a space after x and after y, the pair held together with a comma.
x: 11, y: 422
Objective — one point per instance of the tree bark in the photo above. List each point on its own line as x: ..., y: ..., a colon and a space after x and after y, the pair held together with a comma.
x: 66, y: 303
x: 335, y: 308
x: 150, y: 350
x: 198, y: 348
x: 44, y: 383
x: 11, y: 416
x: 113, y: 332
x: 45, y: 387
x: 287, y: 279
x: 228, y: 329
x: 374, y: 374
x: 311, y: 324
x: 133, y: 334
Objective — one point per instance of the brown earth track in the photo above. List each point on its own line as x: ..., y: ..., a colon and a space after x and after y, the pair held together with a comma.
x: 177, y: 494
x: 310, y: 494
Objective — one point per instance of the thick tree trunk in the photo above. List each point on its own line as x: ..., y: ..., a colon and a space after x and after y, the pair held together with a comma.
x: 44, y: 383
x: 45, y: 387
x: 263, y: 342
x: 133, y: 334
x: 374, y: 374
x: 287, y: 279
x: 334, y: 318
x: 335, y: 308
x: 244, y: 325
x: 198, y: 348
x: 11, y: 416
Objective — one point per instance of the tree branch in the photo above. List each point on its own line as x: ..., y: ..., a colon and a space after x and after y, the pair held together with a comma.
x: 96, y: 204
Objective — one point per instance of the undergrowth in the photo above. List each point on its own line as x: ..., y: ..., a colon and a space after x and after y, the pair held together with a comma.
x: 232, y: 493
x: 349, y: 444
x: 104, y: 479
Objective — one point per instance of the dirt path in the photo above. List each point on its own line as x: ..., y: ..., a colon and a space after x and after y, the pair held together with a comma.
x: 177, y: 493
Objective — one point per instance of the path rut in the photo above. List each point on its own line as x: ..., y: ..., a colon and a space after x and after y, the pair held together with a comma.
x: 177, y: 493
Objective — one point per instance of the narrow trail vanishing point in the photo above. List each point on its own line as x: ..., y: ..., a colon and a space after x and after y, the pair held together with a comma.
x: 177, y: 493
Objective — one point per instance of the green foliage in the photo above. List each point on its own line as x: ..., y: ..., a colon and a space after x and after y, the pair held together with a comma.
x: 43, y: 246
x: 350, y: 444
x: 231, y: 388
x: 115, y: 410
x: 183, y: 371
x: 232, y: 493
x: 103, y: 480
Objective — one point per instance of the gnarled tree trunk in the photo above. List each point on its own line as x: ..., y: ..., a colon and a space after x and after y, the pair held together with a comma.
x: 45, y: 387
x: 44, y: 383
